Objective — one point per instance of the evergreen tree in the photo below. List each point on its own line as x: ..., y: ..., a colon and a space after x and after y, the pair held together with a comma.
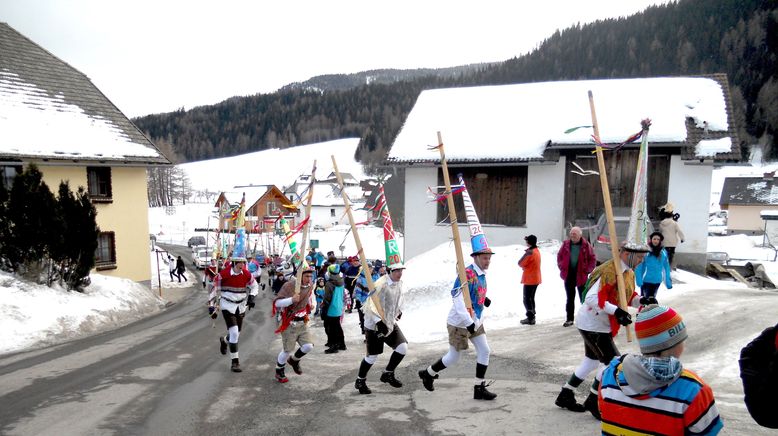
x: 30, y: 207
x: 75, y: 256
x: 4, y: 226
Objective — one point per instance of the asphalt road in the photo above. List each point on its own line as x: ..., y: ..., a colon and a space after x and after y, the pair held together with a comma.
x: 164, y: 376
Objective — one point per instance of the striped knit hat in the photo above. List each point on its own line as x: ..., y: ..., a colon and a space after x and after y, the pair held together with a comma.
x: 659, y: 328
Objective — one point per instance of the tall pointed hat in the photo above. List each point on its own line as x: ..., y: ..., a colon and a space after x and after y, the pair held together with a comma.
x: 393, y: 258
x: 239, y: 250
x: 477, y: 237
x: 637, y: 235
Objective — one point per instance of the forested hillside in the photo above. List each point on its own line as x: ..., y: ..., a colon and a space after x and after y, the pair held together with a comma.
x: 688, y: 37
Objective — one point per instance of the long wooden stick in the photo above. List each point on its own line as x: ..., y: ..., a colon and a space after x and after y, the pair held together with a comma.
x: 452, y: 213
x: 303, y: 264
x: 606, y: 199
x: 360, y: 251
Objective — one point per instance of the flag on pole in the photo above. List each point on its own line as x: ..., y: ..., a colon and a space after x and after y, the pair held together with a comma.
x: 393, y: 258
x: 637, y: 235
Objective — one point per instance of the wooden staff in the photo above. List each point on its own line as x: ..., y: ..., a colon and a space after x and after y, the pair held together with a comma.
x: 360, y: 251
x: 303, y: 263
x: 606, y: 199
x: 452, y: 214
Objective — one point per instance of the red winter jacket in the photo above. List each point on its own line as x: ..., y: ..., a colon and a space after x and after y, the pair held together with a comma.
x: 586, y: 261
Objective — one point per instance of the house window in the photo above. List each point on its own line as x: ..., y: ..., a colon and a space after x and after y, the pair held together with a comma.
x: 99, y: 181
x: 7, y: 175
x: 105, y: 254
x: 332, y: 212
x: 499, y: 195
x: 271, y: 208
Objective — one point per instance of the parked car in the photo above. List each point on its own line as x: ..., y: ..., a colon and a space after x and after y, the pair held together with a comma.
x: 195, y: 249
x: 601, y: 236
x: 196, y: 240
x: 201, y: 258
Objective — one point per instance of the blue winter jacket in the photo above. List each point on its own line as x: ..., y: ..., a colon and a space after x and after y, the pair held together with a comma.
x: 652, y: 268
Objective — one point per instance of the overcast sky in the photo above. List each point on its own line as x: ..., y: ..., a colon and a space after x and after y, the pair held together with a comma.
x: 151, y: 56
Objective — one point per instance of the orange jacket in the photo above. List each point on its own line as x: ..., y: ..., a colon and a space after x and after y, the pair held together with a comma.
x: 530, y: 264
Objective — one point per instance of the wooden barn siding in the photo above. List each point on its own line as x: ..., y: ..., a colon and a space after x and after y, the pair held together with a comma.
x: 583, y: 196
x: 500, y: 198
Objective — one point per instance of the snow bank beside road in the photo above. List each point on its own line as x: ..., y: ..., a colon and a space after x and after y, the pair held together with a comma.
x: 36, y: 315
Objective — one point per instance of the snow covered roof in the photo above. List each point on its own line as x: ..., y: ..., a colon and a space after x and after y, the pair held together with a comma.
x: 50, y: 110
x: 523, y: 122
x: 749, y: 191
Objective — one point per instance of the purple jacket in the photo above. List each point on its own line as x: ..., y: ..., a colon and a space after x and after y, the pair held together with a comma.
x: 586, y: 261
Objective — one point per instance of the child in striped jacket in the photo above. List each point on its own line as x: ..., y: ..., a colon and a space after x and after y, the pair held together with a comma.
x: 653, y: 393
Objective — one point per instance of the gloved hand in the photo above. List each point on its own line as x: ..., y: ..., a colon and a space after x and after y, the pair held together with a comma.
x: 623, y: 317
x: 487, y: 301
x: 471, y: 328
x: 645, y: 301
x: 251, y: 303
x: 399, y: 315
x: 382, y: 329
x: 212, y: 312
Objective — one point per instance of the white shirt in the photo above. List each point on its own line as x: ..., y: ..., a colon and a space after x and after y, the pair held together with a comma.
x: 591, y: 317
x: 458, y: 316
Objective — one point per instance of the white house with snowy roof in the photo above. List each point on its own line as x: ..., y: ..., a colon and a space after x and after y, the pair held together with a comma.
x: 327, y: 208
x: 523, y: 171
x: 52, y: 115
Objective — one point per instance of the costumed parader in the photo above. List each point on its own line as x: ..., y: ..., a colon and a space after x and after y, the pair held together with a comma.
x: 599, y: 317
x: 464, y: 324
x: 295, y: 310
x: 389, y: 292
x: 234, y: 289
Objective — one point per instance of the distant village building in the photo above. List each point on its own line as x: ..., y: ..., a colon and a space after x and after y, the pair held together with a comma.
x: 745, y: 198
x: 264, y: 206
x: 52, y: 115
x: 523, y: 170
x: 327, y: 208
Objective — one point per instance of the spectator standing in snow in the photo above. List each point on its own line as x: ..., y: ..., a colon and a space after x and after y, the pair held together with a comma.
x: 181, y: 269
x: 171, y: 264
x: 671, y: 231
x: 654, y: 268
x: 530, y: 277
x: 332, y: 310
x: 575, y: 260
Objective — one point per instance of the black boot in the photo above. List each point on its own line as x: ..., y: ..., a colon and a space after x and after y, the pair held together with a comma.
x: 280, y: 376
x: 235, y: 365
x: 295, y: 364
x: 427, y: 380
x: 591, y: 405
x: 528, y: 321
x: 566, y: 400
x: 222, y: 345
x: 388, y: 377
x: 481, y: 393
x: 361, y: 386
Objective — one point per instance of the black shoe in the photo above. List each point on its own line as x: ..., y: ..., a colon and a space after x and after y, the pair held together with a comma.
x: 222, y: 345
x: 566, y: 400
x: 427, y: 380
x: 388, y: 377
x: 481, y: 393
x: 567, y: 324
x: 342, y: 347
x: 528, y: 321
x: 295, y: 364
x: 331, y: 350
x: 591, y: 405
x: 361, y: 386
x: 235, y: 366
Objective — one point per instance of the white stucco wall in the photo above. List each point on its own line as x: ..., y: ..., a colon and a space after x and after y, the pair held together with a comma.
x: 322, y: 216
x: 545, y: 203
x: 689, y: 191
